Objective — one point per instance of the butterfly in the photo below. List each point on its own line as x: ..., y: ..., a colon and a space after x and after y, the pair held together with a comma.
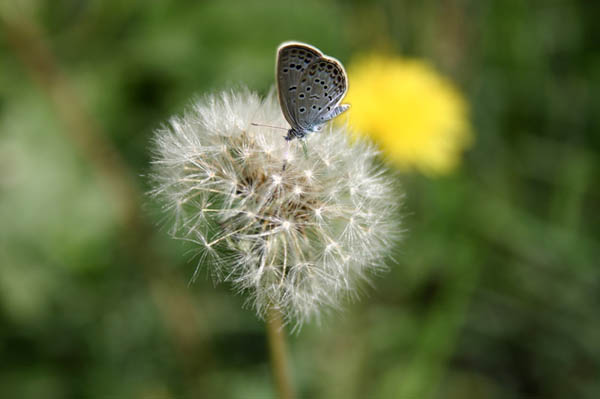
x: 310, y: 87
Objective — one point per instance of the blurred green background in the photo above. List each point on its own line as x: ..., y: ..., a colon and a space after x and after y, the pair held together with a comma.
x: 496, y: 293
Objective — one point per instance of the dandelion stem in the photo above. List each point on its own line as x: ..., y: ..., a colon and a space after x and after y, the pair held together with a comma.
x: 278, y: 354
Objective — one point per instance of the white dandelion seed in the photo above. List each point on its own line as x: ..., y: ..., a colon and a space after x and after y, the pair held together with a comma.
x: 299, y: 238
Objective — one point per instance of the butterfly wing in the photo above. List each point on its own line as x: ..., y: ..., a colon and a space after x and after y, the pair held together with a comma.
x: 335, y: 112
x: 321, y: 88
x: 293, y: 59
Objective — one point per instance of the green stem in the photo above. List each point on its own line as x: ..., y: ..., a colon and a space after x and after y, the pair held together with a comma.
x: 278, y: 354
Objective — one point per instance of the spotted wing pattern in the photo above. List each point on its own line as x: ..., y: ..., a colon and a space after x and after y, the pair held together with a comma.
x: 310, y: 86
x: 292, y: 61
x: 322, y: 87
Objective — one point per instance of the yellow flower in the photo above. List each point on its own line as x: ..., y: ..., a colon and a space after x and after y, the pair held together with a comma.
x: 417, y: 117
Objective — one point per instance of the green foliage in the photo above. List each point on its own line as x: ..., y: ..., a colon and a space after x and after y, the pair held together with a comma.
x: 495, y: 293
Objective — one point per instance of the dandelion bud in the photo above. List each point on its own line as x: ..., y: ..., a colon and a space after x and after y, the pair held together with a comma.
x: 292, y: 231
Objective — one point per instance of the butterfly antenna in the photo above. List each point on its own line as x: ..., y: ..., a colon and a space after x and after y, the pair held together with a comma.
x: 274, y: 127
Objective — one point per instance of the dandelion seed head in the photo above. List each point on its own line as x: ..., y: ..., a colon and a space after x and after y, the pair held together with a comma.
x: 295, y: 232
x: 276, y: 180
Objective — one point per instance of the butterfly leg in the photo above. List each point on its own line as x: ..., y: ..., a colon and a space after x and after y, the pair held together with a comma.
x: 304, y: 148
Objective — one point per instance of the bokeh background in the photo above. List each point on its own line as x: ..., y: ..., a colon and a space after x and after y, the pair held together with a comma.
x: 496, y: 289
